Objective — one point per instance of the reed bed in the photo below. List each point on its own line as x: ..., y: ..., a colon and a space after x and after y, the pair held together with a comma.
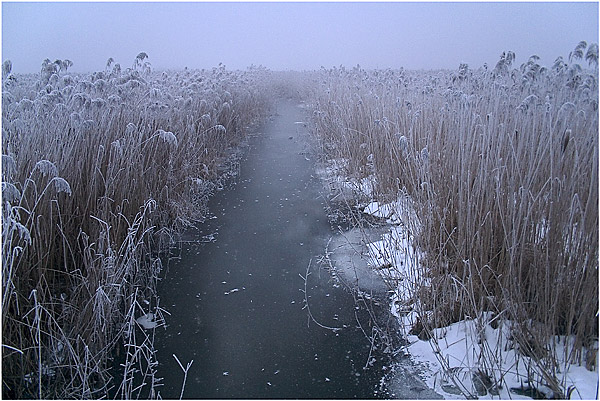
x: 98, y: 173
x: 501, y: 166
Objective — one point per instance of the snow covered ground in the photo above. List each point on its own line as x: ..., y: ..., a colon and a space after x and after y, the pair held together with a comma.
x: 458, y: 357
x: 470, y: 358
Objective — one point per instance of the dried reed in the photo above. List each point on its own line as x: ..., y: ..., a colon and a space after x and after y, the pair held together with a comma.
x: 98, y: 171
x: 502, y: 167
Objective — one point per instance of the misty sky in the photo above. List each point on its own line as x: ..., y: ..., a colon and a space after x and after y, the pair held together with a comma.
x: 292, y: 35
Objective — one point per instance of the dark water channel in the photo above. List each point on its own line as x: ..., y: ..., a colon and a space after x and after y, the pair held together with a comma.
x: 236, y: 303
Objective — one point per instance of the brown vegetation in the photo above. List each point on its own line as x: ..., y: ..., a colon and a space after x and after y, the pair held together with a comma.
x: 98, y: 172
x: 502, y: 165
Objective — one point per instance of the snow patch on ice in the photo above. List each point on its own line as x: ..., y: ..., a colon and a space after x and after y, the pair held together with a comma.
x: 351, y: 263
x: 147, y: 321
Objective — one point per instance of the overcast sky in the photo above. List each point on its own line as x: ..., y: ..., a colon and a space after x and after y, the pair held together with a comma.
x: 292, y: 35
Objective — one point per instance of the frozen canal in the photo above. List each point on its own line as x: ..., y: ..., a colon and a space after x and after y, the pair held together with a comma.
x: 236, y: 303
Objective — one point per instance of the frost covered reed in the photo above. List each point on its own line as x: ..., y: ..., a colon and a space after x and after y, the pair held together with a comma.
x: 98, y: 170
x: 502, y: 165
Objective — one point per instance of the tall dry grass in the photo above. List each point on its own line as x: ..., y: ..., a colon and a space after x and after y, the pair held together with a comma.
x: 98, y: 172
x: 502, y: 165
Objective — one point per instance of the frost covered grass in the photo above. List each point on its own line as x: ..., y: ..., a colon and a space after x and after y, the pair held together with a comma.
x: 98, y: 172
x: 491, y: 179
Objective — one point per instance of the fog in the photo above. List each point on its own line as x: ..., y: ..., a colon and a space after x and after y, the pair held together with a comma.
x: 297, y: 36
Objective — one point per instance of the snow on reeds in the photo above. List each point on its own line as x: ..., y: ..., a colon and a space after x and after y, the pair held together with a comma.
x: 501, y: 167
x: 97, y: 170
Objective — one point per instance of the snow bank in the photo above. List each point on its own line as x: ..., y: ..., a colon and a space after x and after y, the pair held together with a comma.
x: 462, y: 347
x: 343, y: 187
x: 470, y: 358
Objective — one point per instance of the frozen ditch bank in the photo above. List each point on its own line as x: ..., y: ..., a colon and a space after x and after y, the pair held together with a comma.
x: 455, y: 359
